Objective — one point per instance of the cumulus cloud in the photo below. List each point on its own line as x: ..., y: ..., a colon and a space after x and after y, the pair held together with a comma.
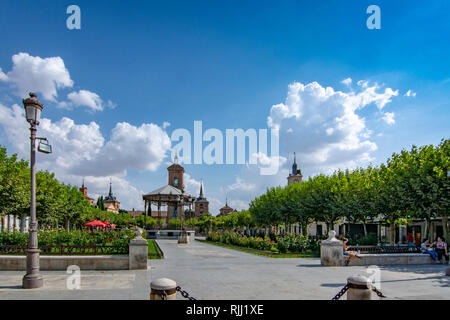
x: 3, y: 76
x: 347, y: 81
x: 326, y: 130
x: 86, y: 98
x: 389, y: 118
x: 140, y: 148
x: 46, y: 76
x: 38, y: 75
x: 80, y: 150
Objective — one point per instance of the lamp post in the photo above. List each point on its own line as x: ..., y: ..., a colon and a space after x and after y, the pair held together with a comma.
x: 33, y: 279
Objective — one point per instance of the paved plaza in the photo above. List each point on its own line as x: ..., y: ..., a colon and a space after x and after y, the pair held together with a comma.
x: 210, y: 272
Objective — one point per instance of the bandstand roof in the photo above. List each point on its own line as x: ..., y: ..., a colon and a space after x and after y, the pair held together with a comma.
x: 167, y: 193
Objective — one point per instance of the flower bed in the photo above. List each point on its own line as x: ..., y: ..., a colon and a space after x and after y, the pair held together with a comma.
x: 70, y: 238
x: 287, y: 244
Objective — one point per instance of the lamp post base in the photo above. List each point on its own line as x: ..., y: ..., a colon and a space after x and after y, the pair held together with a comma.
x: 32, y: 281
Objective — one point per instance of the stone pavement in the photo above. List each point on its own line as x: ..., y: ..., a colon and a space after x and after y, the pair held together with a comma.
x: 210, y: 272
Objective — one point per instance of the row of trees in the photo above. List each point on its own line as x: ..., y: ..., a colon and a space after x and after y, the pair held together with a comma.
x: 411, y: 184
x: 57, y: 204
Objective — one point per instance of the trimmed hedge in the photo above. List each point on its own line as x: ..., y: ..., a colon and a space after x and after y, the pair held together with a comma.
x: 288, y: 243
x: 70, y: 238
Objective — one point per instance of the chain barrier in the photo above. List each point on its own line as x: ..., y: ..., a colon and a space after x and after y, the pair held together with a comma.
x: 341, y: 293
x: 345, y: 289
x: 185, y: 294
x: 378, y: 292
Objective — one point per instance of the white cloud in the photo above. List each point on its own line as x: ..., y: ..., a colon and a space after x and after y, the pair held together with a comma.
x: 3, y: 76
x: 191, y: 185
x: 327, y: 131
x: 86, y: 98
x: 140, y: 148
x: 166, y: 125
x: 34, y: 74
x: 79, y: 150
x: 389, y: 118
x: 410, y: 93
x: 347, y: 81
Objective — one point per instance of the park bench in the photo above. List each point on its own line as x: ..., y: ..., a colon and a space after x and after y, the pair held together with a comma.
x: 388, y: 255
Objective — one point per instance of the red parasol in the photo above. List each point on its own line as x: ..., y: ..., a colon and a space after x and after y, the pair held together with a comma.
x: 95, y: 223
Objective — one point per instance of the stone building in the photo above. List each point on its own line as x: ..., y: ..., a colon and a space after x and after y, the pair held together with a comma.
x: 110, y: 202
x: 201, y: 204
x: 296, y: 175
x: 84, y: 190
x: 226, y: 210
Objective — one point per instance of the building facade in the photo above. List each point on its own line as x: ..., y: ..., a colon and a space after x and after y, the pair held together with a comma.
x: 84, y: 190
x: 201, y: 204
x: 110, y: 202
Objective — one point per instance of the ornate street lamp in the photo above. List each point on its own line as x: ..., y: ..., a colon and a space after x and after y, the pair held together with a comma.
x: 33, y: 279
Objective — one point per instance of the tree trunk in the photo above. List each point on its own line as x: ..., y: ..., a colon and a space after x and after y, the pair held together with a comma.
x: 365, y: 228
x: 67, y: 225
x: 392, y: 234
x: 445, y: 227
x: 305, y: 229
x: 427, y: 232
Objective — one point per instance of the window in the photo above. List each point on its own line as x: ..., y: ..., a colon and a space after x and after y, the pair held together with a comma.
x: 175, y: 182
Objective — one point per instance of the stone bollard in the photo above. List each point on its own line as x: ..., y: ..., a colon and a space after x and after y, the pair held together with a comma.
x: 165, y: 287
x: 447, y: 272
x: 183, y: 238
x: 332, y: 251
x: 359, y: 288
x: 138, y: 252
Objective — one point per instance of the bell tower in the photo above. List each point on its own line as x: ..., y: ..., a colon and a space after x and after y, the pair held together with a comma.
x: 296, y: 175
x: 176, y: 173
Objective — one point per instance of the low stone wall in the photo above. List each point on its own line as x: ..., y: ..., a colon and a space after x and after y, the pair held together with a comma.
x: 391, y: 259
x: 60, y: 263
x: 135, y: 260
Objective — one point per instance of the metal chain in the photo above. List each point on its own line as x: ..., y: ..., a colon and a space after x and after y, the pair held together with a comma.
x: 378, y: 292
x: 341, y: 293
x: 163, y: 296
x: 344, y: 290
x: 185, y: 294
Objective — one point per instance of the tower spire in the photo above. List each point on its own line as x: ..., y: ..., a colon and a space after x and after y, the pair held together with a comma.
x: 110, y: 187
x: 201, y: 189
x: 83, y: 184
x: 175, y: 160
x: 294, y: 166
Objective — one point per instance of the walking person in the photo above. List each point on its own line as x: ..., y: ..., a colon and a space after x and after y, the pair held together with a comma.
x: 441, y: 249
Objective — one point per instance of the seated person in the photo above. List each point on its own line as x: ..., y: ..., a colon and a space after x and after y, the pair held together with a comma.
x: 349, y: 254
x: 441, y: 249
x: 426, y: 248
x: 411, y: 240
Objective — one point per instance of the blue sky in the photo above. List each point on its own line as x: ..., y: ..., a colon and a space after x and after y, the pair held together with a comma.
x: 225, y: 63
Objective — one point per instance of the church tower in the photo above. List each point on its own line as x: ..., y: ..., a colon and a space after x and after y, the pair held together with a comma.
x: 296, y: 175
x: 176, y: 173
x: 201, y: 204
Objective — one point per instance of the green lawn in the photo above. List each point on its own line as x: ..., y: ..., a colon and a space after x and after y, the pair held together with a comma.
x: 153, y: 250
x: 264, y: 253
